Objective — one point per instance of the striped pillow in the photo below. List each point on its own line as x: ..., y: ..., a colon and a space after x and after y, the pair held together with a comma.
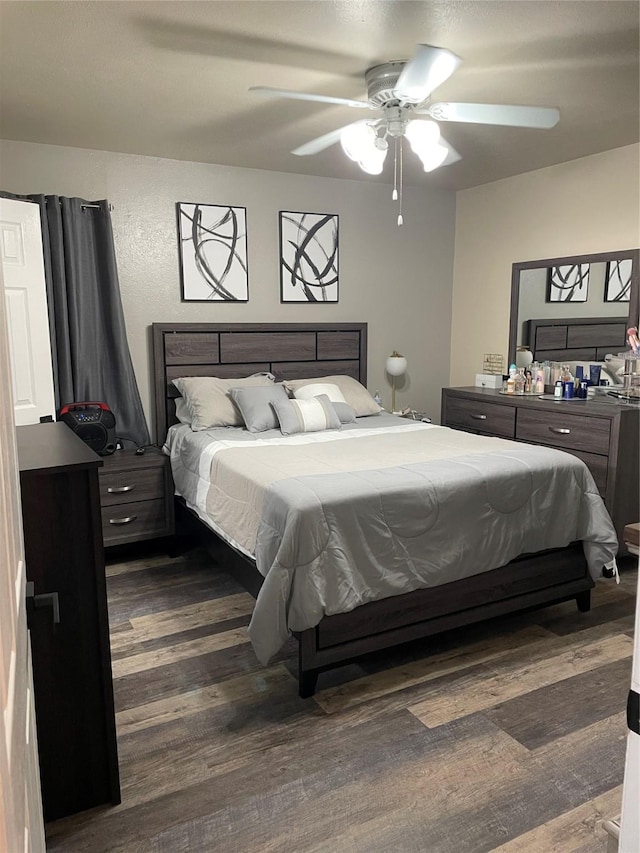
x: 315, y: 415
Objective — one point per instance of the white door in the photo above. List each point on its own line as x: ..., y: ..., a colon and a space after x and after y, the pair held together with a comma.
x: 27, y: 316
x: 630, y: 822
x: 21, y: 826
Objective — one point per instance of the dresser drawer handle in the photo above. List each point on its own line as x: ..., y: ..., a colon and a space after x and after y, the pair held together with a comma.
x: 560, y: 430
x: 117, y: 490
x: 479, y: 417
x: 127, y: 520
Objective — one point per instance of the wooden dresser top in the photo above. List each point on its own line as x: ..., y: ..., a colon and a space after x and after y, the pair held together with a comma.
x: 52, y: 447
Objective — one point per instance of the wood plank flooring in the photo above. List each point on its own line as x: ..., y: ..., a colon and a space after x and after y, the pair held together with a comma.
x: 508, y: 736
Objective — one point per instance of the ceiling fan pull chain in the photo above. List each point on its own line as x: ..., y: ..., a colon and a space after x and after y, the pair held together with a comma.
x: 394, y: 194
x: 400, y: 219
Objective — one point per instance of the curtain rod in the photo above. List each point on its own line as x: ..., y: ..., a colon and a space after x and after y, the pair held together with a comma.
x: 85, y: 206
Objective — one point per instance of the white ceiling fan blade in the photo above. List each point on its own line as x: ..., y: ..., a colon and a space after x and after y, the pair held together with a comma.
x: 452, y: 156
x: 428, y: 69
x: 314, y: 146
x: 509, y: 116
x: 306, y: 96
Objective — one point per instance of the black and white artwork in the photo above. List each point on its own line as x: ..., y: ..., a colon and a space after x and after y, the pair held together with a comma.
x: 308, y: 257
x: 568, y: 283
x: 617, y: 282
x: 213, y: 253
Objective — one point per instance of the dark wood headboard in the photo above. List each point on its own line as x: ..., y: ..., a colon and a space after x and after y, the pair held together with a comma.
x: 230, y: 350
x: 575, y: 339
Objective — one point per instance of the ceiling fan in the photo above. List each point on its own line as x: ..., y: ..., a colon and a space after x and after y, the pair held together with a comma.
x: 401, y: 91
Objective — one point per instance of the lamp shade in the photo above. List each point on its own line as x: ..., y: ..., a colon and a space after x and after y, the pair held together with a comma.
x: 424, y: 137
x: 396, y: 365
x: 359, y: 144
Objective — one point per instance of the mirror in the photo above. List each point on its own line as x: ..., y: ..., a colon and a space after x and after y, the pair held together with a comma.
x: 576, y: 308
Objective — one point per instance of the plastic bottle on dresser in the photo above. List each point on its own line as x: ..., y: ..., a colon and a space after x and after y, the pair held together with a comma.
x: 568, y: 387
x: 511, y: 381
x: 538, y: 378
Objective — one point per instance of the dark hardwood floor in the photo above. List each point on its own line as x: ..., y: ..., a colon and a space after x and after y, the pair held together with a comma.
x: 507, y: 736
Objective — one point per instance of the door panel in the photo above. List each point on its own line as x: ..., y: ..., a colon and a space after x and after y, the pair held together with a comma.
x: 26, y: 306
x: 21, y: 826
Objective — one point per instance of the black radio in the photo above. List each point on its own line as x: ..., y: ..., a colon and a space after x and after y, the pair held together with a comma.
x: 94, y: 423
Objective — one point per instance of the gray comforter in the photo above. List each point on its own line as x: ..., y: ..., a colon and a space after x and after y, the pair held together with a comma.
x: 337, y: 521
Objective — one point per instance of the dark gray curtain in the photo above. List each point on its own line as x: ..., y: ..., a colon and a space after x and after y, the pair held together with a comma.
x: 91, y: 357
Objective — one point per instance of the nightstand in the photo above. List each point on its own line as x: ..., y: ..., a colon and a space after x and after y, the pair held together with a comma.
x: 136, y: 496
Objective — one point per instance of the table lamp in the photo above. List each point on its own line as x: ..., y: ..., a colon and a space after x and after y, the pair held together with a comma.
x: 396, y: 365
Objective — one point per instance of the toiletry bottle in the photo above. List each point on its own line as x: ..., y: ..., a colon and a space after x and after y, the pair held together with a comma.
x: 377, y: 398
x: 577, y: 378
x: 511, y: 381
x: 539, y: 380
x: 528, y: 381
x: 557, y: 390
x: 520, y: 381
x: 568, y: 386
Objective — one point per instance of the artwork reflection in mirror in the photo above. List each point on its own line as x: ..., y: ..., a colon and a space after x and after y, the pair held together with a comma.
x: 586, y: 328
x: 617, y: 287
x: 568, y: 283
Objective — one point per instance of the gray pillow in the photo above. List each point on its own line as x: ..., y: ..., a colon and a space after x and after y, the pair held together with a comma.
x: 209, y: 402
x: 313, y: 415
x: 255, y: 406
x: 344, y: 412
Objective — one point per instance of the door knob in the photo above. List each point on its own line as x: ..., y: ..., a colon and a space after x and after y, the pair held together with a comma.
x: 37, y: 602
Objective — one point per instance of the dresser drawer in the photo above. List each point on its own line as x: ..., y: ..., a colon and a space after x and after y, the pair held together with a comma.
x: 598, y: 466
x: 132, y: 521
x: 137, y: 484
x: 557, y: 429
x: 481, y: 416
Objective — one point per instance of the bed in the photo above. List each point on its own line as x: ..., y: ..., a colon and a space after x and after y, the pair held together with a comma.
x: 349, y: 614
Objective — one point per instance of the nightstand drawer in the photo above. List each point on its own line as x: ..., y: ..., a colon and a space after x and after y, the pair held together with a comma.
x: 138, y: 484
x: 574, y: 432
x: 481, y: 416
x: 134, y: 520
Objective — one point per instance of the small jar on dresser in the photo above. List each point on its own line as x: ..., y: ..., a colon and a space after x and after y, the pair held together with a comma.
x: 604, y: 433
x: 136, y: 496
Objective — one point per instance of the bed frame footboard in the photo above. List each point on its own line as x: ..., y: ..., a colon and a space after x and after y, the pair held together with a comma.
x: 528, y: 582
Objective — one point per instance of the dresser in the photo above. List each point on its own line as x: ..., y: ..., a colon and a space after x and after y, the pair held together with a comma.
x: 136, y: 496
x: 68, y: 620
x: 603, y: 433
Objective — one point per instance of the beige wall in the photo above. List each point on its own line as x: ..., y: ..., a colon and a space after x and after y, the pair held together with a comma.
x: 586, y: 205
x: 396, y: 279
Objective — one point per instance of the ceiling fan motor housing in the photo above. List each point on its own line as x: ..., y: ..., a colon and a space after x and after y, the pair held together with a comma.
x: 381, y: 81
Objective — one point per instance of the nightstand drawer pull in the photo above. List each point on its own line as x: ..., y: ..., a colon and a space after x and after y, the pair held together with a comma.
x: 479, y: 417
x: 127, y: 520
x: 560, y: 430
x: 116, y: 490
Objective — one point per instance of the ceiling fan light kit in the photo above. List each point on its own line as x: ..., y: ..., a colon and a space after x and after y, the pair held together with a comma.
x: 401, y: 91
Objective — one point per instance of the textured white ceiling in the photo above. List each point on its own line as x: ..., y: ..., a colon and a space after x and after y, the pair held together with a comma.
x: 170, y: 79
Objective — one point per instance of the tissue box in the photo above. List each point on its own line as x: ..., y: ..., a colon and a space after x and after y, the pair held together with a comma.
x: 489, y: 380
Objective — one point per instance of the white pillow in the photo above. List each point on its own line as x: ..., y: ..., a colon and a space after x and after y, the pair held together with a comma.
x: 353, y: 391
x: 333, y: 393
x: 307, y: 392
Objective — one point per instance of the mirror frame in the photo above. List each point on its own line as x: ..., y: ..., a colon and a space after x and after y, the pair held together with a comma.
x: 634, y: 301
